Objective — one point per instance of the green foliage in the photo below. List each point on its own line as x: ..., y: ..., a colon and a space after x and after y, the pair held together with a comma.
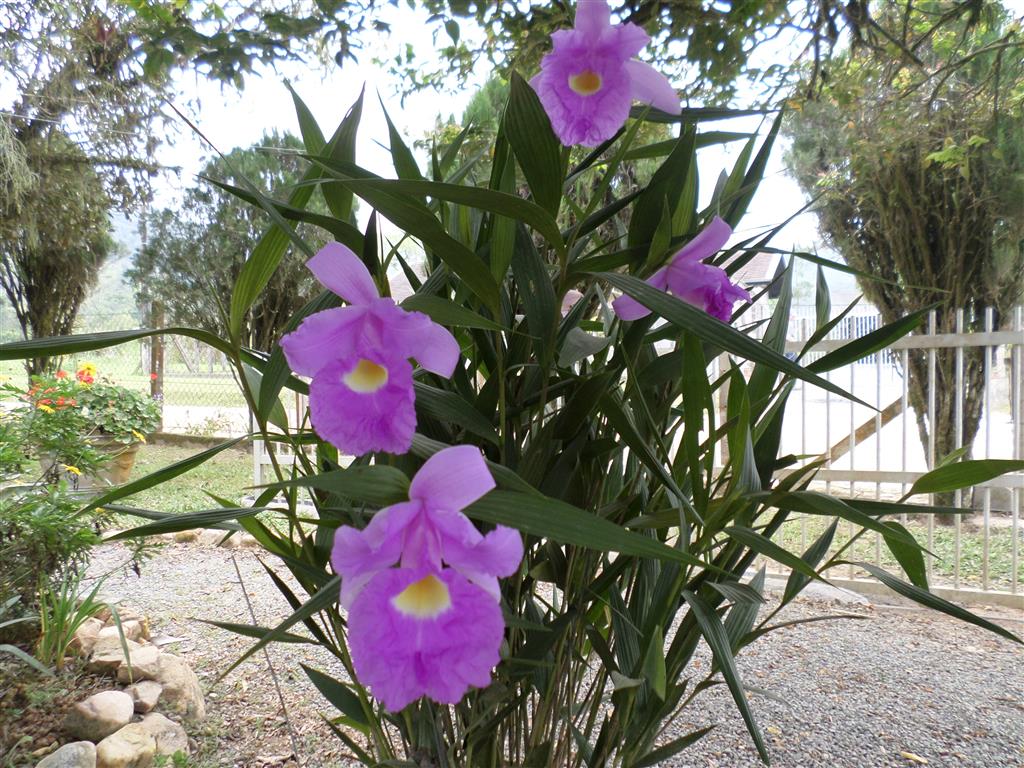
x: 643, y: 492
x: 919, y: 174
x: 122, y: 414
x: 193, y: 254
x: 63, y: 608
x: 43, y: 534
x: 54, y: 242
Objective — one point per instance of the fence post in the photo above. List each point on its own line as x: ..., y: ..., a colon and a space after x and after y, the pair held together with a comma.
x: 156, y: 360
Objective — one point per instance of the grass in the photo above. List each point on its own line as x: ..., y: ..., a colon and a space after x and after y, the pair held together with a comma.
x: 227, y: 474
x: 1000, y: 542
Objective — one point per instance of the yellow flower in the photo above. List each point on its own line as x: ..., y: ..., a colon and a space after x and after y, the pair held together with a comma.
x: 87, y: 368
x: 45, y: 408
x: 138, y: 436
x: 71, y: 469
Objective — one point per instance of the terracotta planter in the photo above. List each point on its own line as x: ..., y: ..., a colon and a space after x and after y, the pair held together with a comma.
x: 122, y: 459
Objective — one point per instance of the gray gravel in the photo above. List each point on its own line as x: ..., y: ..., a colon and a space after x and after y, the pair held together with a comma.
x: 895, y: 689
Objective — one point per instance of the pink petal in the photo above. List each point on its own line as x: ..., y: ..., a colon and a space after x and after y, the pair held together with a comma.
x: 652, y: 87
x: 592, y: 17
x: 321, y: 338
x: 340, y: 270
x: 402, y: 657
x: 569, y: 300
x: 359, y: 555
x: 430, y: 344
x: 628, y: 308
x: 357, y: 423
x: 452, y: 479
x: 479, y: 558
x: 708, y: 241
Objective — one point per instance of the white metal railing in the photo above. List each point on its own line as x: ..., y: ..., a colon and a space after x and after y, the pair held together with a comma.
x: 878, y: 453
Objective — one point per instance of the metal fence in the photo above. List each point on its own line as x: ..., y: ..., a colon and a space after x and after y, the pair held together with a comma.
x: 878, y: 453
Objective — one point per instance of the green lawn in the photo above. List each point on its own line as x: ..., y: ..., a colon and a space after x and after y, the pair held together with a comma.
x: 1000, y: 542
x: 227, y: 474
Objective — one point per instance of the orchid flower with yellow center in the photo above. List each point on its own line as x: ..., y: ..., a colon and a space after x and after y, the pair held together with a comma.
x: 592, y: 76
x: 361, y: 396
x: 420, y: 583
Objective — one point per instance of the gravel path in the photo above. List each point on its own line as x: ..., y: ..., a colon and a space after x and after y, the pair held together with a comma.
x: 896, y: 689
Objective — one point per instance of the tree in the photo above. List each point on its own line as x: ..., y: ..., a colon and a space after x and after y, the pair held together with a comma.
x: 192, y: 255
x: 52, y: 251
x: 921, y: 172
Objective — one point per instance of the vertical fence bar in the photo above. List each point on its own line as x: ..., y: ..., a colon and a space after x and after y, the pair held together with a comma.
x: 931, y: 437
x: 878, y: 446
x: 904, y: 420
x: 1017, y: 414
x: 958, y: 438
x: 852, y: 451
x: 987, y: 405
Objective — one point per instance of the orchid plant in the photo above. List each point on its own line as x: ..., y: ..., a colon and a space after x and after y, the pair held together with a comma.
x: 520, y: 542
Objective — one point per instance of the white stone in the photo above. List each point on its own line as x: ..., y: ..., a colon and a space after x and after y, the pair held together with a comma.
x: 131, y: 747
x: 170, y: 737
x: 182, y: 693
x: 85, y: 636
x: 145, y: 662
x: 99, y: 715
x: 108, y: 655
x: 145, y: 694
x: 78, y: 754
x: 133, y: 629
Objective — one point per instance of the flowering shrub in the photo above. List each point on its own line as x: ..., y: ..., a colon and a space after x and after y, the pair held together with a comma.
x: 544, y: 518
x: 121, y: 414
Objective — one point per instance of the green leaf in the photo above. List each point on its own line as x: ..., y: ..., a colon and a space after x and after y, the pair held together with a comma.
x: 869, y: 343
x: 19, y: 654
x: 51, y: 346
x: 765, y: 546
x: 747, y: 599
x: 661, y: 754
x: 963, y: 475
x: 186, y: 521
x: 753, y: 177
x: 528, y: 130
x: 376, y: 485
x: 342, y: 147
x: 447, y: 312
x: 312, y: 136
x: 713, y: 331
x: 664, y: 189
x: 256, y: 632
x: 814, y: 555
x: 936, y: 603
x: 566, y: 524
x: 275, y: 414
x: 909, y: 557
x: 718, y: 640
x: 324, y: 598
x: 450, y: 407
x: 822, y: 299
x: 161, y: 475
x: 654, y: 663
x: 338, y: 694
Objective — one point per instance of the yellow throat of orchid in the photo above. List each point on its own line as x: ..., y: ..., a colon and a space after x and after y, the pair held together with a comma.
x: 586, y: 82
x: 366, y: 377
x: 424, y: 599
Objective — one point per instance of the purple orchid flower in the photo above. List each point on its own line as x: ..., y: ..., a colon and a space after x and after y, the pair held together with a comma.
x: 591, y: 77
x: 433, y: 625
x: 686, y: 277
x: 361, y: 397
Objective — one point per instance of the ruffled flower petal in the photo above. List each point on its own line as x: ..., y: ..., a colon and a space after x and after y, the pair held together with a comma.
x: 360, y: 415
x: 420, y: 632
x: 652, y: 87
x: 592, y: 17
x: 452, y: 479
x: 430, y: 344
x: 321, y: 338
x: 341, y: 271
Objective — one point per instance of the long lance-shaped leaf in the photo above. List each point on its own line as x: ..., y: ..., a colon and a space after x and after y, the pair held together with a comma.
x: 714, y: 331
x: 718, y: 640
x: 376, y: 484
x: 87, y: 342
x: 526, y: 126
x: 765, y: 546
x: 674, y: 747
x: 451, y: 408
x: 186, y: 522
x: 339, y: 694
x: 324, y: 597
x: 964, y: 474
x: 161, y: 475
x: 869, y: 343
x: 692, y: 114
x: 255, y: 632
x: 928, y: 600
x: 566, y: 524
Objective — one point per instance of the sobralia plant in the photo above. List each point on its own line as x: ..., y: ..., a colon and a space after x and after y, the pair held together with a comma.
x: 519, y: 543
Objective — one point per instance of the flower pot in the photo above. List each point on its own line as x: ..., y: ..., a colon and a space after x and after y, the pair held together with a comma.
x: 119, y: 467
